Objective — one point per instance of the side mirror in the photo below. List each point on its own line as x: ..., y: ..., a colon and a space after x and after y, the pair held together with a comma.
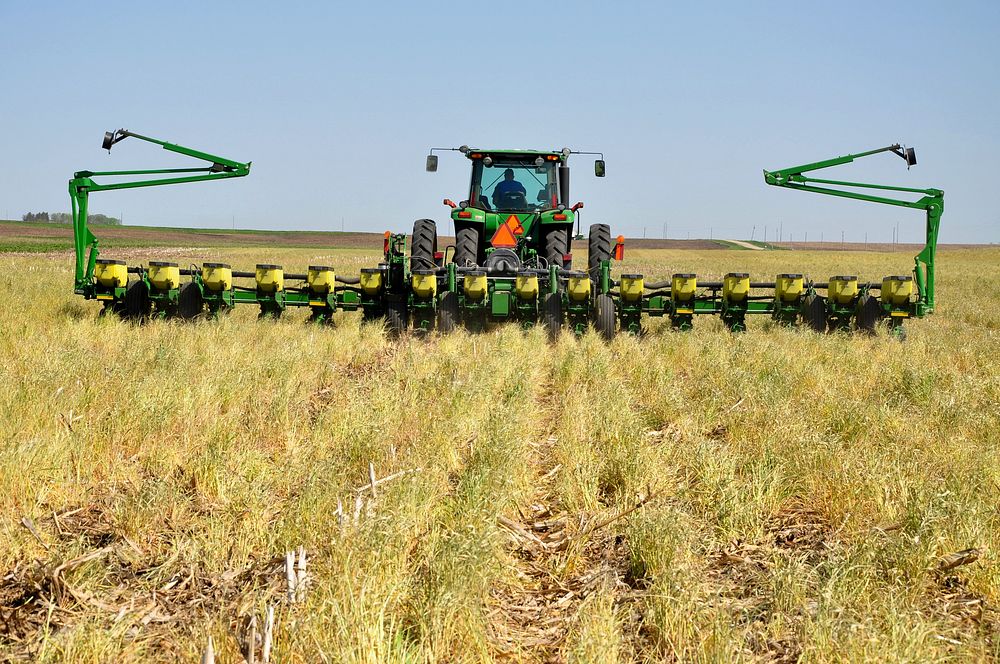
x: 910, y: 155
x: 432, y: 163
x: 599, y: 168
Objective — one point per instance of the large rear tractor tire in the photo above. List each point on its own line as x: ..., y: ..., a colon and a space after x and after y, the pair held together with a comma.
x: 869, y: 314
x: 552, y: 316
x: 448, y: 316
x: 814, y: 313
x: 598, y: 248
x: 189, y: 301
x: 423, y: 244
x: 466, y: 247
x: 604, y: 316
x: 556, y: 242
x: 137, y: 305
x: 397, y: 317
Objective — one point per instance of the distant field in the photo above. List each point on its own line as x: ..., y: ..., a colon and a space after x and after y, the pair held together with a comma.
x: 772, y: 496
x: 37, y: 237
x: 41, y: 237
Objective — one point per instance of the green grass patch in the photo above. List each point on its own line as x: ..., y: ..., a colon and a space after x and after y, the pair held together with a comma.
x: 730, y: 245
x: 33, y: 246
x: 765, y: 245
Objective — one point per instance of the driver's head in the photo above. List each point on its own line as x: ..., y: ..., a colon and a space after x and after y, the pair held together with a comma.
x: 508, y: 174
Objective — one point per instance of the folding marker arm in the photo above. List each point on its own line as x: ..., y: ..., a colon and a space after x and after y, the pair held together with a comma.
x: 218, y: 163
x: 785, y: 174
x: 932, y: 202
x: 82, y: 184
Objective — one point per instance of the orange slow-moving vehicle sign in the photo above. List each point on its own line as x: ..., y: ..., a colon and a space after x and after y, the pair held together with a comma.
x: 506, y: 235
x: 515, y: 224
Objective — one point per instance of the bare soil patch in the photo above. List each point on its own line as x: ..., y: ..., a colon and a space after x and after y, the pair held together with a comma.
x: 739, y: 575
x: 153, y: 594
x: 560, y: 559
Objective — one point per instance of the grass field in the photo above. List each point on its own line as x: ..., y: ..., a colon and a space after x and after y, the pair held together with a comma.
x: 777, y: 495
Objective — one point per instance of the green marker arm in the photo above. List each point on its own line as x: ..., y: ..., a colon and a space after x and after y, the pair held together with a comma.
x: 932, y: 202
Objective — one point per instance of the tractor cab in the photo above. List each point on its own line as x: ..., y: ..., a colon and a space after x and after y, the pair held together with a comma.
x: 518, y: 201
x: 514, y: 182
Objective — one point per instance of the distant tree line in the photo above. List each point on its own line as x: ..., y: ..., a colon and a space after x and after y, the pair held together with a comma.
x: 66, y: 218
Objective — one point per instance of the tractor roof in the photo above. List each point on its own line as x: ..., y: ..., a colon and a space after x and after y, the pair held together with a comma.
x: 475, y: 153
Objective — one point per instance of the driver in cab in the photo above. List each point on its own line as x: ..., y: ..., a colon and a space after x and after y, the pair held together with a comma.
x: 507, y: 189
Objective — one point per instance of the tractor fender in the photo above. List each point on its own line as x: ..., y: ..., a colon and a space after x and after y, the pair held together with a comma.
x: 476, y: 217
x: 548, y: 218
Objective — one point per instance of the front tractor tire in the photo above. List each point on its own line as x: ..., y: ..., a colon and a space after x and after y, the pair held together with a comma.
x: 556, y: 241
x: 604, y: 316
x: 423, y: 244
x: 447, y: 313
x: 397, y: 317
x: 467, y: 246
x: 552, y: 315
x: 598, y: 248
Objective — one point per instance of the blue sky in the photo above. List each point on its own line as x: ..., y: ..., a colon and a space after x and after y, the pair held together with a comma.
x: 336, y: 104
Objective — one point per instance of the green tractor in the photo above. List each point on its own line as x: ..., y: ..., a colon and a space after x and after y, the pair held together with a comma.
x: 511, y: 260
x: 518, y: 200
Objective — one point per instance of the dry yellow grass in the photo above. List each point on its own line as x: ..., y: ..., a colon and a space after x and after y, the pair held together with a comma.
x: 806, y: 486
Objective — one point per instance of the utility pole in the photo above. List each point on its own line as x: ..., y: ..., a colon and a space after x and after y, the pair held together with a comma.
x: 807, y: 237
x: 781, y: 227
x: 841, y: 239
x: 866, y: 240
x: 765, y: 233
x: 664, y: 230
